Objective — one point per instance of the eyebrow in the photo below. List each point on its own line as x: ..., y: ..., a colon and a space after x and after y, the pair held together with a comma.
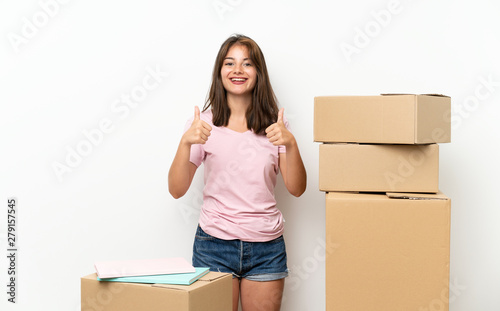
x: 247, y: 58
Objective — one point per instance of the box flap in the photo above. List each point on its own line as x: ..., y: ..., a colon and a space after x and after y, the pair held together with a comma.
x: 173, y: 286
x: 212, y: 276
x: 92, y: 276
x: 395, y: 94
x: 207, y: 278
x: 417, y: 196
x: 438, y: 95
x: 390, y: 94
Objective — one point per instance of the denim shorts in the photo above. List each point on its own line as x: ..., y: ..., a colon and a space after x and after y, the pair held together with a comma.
x: 255, y: 261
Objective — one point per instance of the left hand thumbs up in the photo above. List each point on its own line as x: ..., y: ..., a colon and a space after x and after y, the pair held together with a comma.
x: 277, y: 132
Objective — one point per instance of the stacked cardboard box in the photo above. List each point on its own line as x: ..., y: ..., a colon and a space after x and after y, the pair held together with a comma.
x: 379, y: 165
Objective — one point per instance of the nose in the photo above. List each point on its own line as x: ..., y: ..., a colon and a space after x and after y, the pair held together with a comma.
x: 238, y: 69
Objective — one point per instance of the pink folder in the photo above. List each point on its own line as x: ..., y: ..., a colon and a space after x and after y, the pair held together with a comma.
x: 113, y: 269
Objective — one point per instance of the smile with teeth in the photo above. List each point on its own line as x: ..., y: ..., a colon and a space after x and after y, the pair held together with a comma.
x: 238, y: 79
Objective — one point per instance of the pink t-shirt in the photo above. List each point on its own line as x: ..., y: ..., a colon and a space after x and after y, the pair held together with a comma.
x: 240, y: 176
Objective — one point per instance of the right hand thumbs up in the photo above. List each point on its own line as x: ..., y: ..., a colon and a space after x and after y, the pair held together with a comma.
x: 199, y: 131
x: 196, y: 113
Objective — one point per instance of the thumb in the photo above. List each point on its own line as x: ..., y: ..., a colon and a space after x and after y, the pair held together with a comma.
x: 196, y: 113
x: 280, y: 115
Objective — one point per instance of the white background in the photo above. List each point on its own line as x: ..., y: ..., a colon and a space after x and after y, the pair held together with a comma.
x: 64, y: 76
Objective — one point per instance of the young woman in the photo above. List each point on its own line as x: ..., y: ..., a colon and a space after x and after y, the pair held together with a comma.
x: 244, y: 141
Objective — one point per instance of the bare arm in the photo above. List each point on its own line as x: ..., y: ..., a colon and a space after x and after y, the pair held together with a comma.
x: 293, y: 170
x: 290, y: 163
x: 182, y: 171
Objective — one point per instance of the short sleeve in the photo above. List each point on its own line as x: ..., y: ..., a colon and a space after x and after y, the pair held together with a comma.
x: 197, y: 153
x: 282, y: 148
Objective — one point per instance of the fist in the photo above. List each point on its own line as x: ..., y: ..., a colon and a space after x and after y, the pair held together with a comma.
x: 277, y: 132
x: 199, y: 131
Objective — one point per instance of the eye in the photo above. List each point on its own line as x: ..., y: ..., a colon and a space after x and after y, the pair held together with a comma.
x: 247, y: 64
x: 228, y: 64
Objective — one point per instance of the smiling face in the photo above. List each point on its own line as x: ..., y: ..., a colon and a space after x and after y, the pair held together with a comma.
x: 238, y: 73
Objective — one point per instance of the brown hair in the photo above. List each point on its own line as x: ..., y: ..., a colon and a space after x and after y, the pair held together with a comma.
x: 264, y: 109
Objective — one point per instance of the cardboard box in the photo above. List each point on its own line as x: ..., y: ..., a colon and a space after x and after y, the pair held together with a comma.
x: 379, y: 168
x: 387, y: 119
x: 391, y: 254
x: 212, y: 292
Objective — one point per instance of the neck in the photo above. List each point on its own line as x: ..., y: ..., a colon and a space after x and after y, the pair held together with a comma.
x: 239, y: 105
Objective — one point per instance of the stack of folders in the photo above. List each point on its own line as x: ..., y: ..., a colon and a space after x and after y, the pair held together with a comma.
x: 152, y: 271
